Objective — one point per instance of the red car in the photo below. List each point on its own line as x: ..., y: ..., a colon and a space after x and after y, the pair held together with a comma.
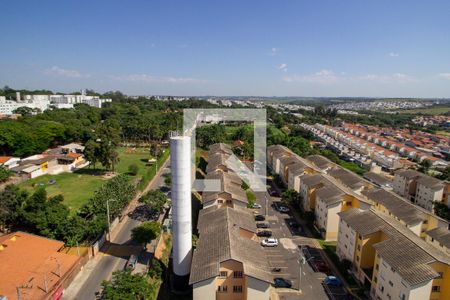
x: 320, y: 266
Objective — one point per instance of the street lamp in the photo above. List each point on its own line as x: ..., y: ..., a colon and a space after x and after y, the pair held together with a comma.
x: 109, y: 218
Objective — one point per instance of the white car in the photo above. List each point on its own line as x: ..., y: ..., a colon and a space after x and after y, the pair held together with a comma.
x: 269, y: 242
x: 256, y: 205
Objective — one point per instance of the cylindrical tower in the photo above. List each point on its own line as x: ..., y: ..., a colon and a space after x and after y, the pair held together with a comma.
x: 180, y: 158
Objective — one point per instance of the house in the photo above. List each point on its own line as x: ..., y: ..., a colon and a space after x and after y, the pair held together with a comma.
x: 390, y: 259
x: 9, y: 162
x: 33, y: 267
x: 229, y: 262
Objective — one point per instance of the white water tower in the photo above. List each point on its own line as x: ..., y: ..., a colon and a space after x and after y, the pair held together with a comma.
x: 180, y: 159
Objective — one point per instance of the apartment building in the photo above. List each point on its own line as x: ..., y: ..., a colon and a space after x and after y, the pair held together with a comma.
x: 419, y: 188
x: 321, y: 162
x: 415, y: 218
x: 289, y: 165
x: 390, y: 259
x: 440, y: 238
x: 229, y: 262
x: 228, y: 193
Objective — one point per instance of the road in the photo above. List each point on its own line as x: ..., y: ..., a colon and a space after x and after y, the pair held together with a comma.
x: 114, y: 255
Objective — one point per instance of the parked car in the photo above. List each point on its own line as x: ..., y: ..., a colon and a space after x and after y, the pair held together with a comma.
x: 273, y: 193
x: 276, y: 205
x: 282, y: 283
x: 131, y: 263
x: 262, y: 225
x: 264, y: 233
x: 332, y: 280
x: 260, y: 218
x: 320, y: 266
x: 256, y: 206
x: 293, y: 224
x: 269, y: 242
x: 283, y: 209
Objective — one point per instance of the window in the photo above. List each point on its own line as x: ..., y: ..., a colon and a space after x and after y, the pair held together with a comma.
x: 237, y: 274
x: 237, y: 288
x: 391, y: 283
x: 359, y: 247
x: 223, y: 274
x: 381, y: 288
x: 436, y: 289
x: 220, y: 201
x: 377, y: 266
x: 222, y: 288
x: 440, y: 275
x: 402, y: 296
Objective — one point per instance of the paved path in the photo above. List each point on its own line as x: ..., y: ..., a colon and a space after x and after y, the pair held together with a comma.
x: 113, y: 255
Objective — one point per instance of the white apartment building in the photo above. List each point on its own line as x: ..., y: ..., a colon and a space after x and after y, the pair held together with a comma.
x: 44, y: 102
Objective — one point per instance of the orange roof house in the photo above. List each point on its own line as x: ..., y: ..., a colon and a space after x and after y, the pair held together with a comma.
x: 4, y: 159
x: 33, y: 266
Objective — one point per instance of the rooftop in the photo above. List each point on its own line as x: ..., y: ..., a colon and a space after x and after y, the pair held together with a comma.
x: 442, y: 235
x: 404, y: 251
x: 27, y: 258
x: 220, y: 240
x: 399, y: 207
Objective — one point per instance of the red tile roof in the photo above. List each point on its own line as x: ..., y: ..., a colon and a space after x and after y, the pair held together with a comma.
x: 27, y: 258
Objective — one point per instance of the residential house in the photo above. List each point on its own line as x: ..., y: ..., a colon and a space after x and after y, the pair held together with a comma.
x: 34, y: 267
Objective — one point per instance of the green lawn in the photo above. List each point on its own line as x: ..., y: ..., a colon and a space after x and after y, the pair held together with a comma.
x: 76, y: 188
x: 139, y: 157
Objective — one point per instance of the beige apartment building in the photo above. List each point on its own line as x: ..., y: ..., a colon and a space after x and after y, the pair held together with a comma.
x: 390, y: 259
x: 229, y: 262
x: 331, y: 199
x: 415, y: 218
x: 419, y: 188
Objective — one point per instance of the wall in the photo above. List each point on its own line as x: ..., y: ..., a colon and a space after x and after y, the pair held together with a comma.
x: 205, y: 289
x: 230, y: 266
x: 257, y: 289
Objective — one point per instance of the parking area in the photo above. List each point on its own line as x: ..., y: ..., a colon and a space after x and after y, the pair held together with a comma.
x: 284, y: 259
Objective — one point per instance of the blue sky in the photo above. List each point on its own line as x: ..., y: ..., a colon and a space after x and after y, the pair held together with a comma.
x: 263, y: 48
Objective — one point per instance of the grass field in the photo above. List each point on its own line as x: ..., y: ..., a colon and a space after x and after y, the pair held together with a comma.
x: 139, y: 156
x: 443, y: 132
x: 76, y: 188
x: 427, y: 111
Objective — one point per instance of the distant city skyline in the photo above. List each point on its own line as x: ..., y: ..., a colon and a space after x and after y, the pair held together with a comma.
x: 252, y: 48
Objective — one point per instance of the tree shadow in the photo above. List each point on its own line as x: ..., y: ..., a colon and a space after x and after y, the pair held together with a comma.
x: 93, y: 172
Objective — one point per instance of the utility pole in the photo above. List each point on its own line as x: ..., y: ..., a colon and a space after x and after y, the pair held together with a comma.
x: 109, y: 219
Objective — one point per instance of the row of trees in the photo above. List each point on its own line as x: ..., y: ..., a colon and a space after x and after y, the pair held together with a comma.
x: 139, y: 120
